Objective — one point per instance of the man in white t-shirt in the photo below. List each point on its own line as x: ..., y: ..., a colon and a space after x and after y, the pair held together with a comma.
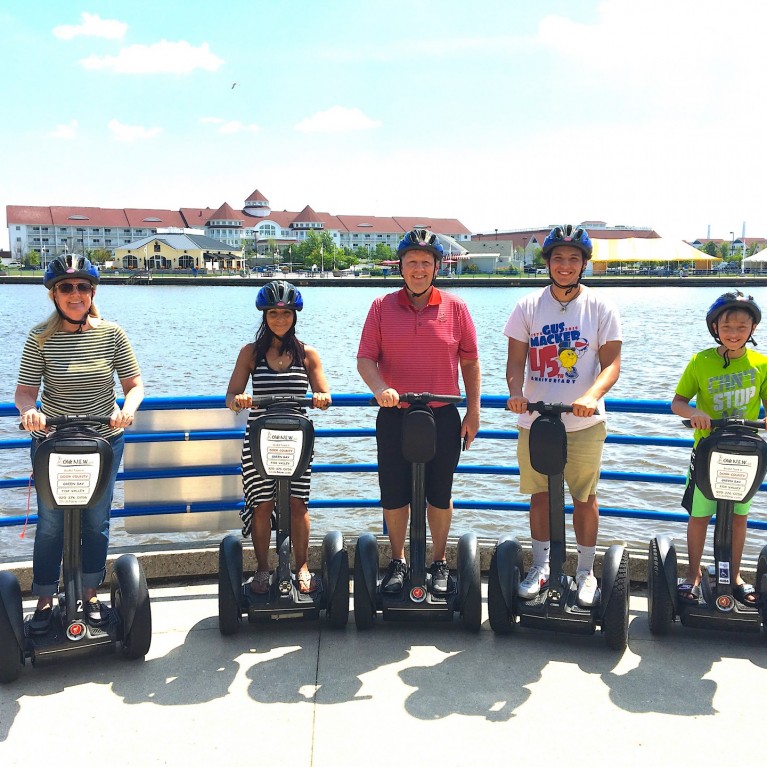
x: 568, y: 341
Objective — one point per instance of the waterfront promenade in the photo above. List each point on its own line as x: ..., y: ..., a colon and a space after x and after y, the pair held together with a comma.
x: 302, y: 695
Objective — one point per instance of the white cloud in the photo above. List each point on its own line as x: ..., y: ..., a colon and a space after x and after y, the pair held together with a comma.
x: 67, y: 132
x: 178, y: 58
x: 132, y: 132
x: 92, y: 26
x: 337, y: 120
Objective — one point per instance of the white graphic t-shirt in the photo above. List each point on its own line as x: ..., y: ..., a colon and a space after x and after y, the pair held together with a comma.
x: 564, y: 343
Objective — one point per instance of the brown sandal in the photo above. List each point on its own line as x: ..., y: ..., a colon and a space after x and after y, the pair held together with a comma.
x: 307, y: 583
x: 260, y: 582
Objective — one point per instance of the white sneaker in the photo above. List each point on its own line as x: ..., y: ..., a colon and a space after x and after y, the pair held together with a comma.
x: 587, y: 588
x: 536, y: 577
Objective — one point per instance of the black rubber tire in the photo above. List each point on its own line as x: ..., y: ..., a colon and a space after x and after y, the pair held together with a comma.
x: 11, y: 655
x: 337, y: 609
x: 137, y: 640
x: 364, y: 606
x: 229, y: 613
x: 615, y: 621
x: 660, y: 608
x: 761, y: 571
x: 501, y: 619
x: 470, y: 582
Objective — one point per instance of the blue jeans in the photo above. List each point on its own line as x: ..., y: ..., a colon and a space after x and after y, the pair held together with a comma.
x: 49, y: 536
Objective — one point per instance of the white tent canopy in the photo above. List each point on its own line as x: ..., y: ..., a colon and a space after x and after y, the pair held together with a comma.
x: 647, y: 249
x: 757, y: 258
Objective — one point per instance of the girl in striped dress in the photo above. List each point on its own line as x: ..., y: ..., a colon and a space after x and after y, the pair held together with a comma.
x: 277, y: 363
x: 75, y: 355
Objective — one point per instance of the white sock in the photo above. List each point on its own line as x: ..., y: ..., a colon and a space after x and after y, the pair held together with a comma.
x: 586, y: 556
x: 541, y: 554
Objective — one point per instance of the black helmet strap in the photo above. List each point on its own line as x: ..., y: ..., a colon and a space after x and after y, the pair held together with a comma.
x: 69, y: 319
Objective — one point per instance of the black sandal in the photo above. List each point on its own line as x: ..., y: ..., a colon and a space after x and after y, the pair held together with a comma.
x: 94, y: 612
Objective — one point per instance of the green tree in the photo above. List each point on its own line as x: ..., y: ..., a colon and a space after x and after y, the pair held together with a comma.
x: 724, y: 250
x: 100, y: 255
x: 383, y: 252
x: 317, y: 249
x: 710, y: 248
x: 32, y: 258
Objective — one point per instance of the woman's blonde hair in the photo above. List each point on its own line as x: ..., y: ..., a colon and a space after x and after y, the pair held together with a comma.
x: 52, y: 325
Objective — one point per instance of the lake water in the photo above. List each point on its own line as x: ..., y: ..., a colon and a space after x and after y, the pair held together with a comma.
x: 187, y: 340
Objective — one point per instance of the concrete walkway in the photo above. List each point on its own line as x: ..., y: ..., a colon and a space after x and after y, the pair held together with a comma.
x: 402, y: 694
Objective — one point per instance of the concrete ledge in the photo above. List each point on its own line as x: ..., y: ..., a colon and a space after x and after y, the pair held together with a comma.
x: 181, y: 563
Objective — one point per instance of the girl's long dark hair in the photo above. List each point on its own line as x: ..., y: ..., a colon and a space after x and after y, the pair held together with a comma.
x: 290, y: 343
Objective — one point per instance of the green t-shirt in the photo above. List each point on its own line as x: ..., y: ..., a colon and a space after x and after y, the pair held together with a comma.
x: 736, y: 391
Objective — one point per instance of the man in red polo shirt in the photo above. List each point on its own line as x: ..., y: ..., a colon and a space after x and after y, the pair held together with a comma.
x: 415, y: 340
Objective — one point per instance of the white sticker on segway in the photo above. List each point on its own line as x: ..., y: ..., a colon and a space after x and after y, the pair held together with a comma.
x: 281, y: 451
x: 724, y: 572
x: 73, y: 477
x: 732, y: 475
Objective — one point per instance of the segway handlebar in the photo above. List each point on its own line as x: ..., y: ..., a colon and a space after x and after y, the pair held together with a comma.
x: 67, y: 421
x: 719, y: 423
x: 423, y: 398
x: 551, y: 408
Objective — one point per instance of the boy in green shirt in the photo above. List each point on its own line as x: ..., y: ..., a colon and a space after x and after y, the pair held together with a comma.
x: 726, y: 381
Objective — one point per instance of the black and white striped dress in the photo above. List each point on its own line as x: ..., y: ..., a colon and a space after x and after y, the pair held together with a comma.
x: 256, y: 488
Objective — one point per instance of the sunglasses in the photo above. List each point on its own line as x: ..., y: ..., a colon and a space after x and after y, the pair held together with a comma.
x: 80, y: 287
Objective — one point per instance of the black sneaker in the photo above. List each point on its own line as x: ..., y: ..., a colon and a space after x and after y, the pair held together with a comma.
x: 40, y: 622
x: 395, y: 577
x: 440, y: 572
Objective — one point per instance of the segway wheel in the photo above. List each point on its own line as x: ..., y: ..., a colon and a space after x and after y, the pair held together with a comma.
x: 469, y: 582
x: 506, y: 558
x: 335, y: 579
x: 229, y: 573
x: 11, y: 614
x: 615, y: 621
x: 761, y: 585
x: 130, y: 598
x: 660, y: 608
x: 365, y: 579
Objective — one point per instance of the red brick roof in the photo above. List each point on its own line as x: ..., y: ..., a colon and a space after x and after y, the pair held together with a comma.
x: 307, y: 216
x: 440, y: 225
x: 196, y: 218
x: 143, y: 218
x: 226, y: 213
x: 256, y: 197
x: 71, y: 216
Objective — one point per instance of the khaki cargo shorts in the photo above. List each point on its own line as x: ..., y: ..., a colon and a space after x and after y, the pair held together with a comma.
x: 584, y: 459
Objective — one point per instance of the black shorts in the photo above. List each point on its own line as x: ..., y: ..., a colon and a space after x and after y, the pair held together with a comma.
x: 394, y: 472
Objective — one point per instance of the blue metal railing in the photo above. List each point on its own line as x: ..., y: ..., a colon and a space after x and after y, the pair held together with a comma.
x: 655, y: 407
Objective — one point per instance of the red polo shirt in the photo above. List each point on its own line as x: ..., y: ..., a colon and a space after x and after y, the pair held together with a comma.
x: 419, y: 350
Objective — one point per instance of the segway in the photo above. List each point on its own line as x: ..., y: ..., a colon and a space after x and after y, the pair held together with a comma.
x: 71, y: 468
x: 730, y: 464
x: 555, y: 607
x: 281, y: 442
x: 416, y: 601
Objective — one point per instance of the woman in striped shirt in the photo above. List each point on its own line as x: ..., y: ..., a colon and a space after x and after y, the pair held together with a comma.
x: 277, y: 363
x: 75, y: 355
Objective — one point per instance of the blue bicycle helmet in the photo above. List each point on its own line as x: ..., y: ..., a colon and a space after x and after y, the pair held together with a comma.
x: 568, y: 234
x: 421, y: 239
x: 279, y: 294
x: 727, y: 302
x: 70, y: 266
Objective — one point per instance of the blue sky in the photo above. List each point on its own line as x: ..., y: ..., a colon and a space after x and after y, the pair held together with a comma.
x: 502, y: 114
